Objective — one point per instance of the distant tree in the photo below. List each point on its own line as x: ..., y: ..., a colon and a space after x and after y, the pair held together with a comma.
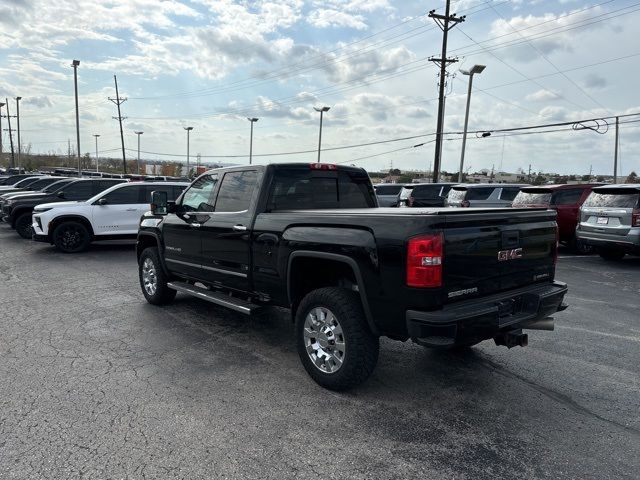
x: 404, y: 179
x: 632, y: 178
x: 395, y: 171
x: 572, y: 177
x: 586, y: 178
x: 539, y: 180
x: 600, y: 179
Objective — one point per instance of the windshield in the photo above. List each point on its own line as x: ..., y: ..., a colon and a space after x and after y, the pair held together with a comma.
x: 429, y: 192
x: 623, y: 199
x: 528, y: 199
x: 388, y: 189
x: 56, y: 185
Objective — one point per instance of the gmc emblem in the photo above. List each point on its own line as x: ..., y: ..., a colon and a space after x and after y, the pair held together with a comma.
x: 504, y: 255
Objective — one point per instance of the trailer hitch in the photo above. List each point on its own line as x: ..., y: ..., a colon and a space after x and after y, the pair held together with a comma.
x: 513, y: 338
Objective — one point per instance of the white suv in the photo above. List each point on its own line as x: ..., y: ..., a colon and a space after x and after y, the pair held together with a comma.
x: 110, y: 215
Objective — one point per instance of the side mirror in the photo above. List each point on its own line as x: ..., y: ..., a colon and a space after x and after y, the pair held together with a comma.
x: 61, y: 194
x: 172, y: 207
x: 102, y: 201
x: 159, y: 203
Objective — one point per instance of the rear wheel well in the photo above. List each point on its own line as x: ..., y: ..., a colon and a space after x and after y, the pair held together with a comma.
x: 75, y: 218
x: 310, y: 273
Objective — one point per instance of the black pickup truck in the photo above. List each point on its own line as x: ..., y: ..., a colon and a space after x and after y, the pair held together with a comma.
x: 310, y: 237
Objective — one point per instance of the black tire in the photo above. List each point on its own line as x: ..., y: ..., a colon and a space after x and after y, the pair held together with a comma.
x: 71, y: 237
x: 361, y: 345
x: 611, y: 255
x: 162, y: 295
x: 23, y: 225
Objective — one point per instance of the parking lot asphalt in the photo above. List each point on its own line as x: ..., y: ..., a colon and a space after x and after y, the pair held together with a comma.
x: 96, y: 383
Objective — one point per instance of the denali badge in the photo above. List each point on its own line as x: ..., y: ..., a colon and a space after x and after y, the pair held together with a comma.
x: 504, y: 255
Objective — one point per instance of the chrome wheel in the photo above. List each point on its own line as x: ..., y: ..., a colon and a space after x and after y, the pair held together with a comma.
x: 149, y: 278
x: 324, y: 340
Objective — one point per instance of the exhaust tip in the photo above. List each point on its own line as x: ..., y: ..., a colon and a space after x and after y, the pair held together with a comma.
x: 514, y: 338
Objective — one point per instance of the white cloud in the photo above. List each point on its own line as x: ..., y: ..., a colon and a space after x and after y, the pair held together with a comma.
x: 542, y: 95
x: 323, y: 18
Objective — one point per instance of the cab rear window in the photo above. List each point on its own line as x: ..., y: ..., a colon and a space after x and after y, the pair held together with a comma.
x: 388, y: 189
x: 306, y: 189
x: 609, y: 198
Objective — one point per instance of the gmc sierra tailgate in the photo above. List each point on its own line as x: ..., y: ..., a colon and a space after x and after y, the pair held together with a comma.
x: 488, y: 251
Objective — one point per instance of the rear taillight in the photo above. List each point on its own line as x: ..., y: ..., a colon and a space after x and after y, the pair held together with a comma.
x: 635, y: 218
x: 424, y: 261
x: 465, y: 203
x: 410, y: 201
x: 555, y: 247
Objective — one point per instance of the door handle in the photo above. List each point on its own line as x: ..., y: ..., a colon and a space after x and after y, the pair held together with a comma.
x: 195, y: 225
x: 131, y: 209
x: 239, y: 228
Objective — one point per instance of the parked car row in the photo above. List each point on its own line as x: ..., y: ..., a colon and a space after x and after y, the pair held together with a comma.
x: 70, y: 213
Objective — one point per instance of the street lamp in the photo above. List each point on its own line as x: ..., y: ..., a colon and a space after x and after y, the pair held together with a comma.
x: 75, y: 65
x: 18, y: 119
x: 96, y: 137
x: 138, y: 134
x: 252, y: 120
x: 188, y: 129
x: 321, y: 110
x: 475, y: 69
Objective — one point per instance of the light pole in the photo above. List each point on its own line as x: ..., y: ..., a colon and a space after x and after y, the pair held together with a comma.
x: 75, y: 64
x: 188, y: 129
x: 1, y: 105
x: 321, y: 110
x: 138, y: 134
x: 475, y: 69
x: 96, y: 137
x: 18, y: 120
x: 252, y: 120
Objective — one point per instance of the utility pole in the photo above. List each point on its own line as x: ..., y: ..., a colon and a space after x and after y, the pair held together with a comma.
x: 188, y: 129
x: 18, y: 119
x: 118, y: 101
x: 96, y: 137
x: 322, y: 110
x: 529, y: 173
x: 446, y: 22
x: 615, y: 153
x: 75, y: 64
x: 138, y: 133
x: 13, y: 160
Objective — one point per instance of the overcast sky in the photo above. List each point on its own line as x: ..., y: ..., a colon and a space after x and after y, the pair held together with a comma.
x: 210, y: 64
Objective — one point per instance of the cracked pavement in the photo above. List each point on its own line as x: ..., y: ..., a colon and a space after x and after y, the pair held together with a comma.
x: 96, y: 383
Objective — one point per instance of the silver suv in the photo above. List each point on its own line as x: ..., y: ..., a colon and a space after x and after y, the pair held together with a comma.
x: 610, y: 221
x: 488, y: 195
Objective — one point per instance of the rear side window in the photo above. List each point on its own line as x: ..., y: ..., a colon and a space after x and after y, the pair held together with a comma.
x: 124, y: 195
x: 388, y: 189
x: 509, y: 193
x: 305, y: 189
x: 566, y: 197
x: 78, y: 191
x: 541, y: 199
x: 236, y: 191
x: 619, y: 199
x: 480, y: 193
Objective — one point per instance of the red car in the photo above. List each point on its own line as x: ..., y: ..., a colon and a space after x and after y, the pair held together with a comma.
x: 564, y: 199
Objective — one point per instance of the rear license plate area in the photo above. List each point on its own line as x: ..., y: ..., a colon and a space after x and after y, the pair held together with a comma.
x: 602, y: 220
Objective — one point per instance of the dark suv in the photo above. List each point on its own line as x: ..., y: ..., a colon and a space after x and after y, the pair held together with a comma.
x: 424, y: 195
x: 566, y: 201
x: 17, y: 211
